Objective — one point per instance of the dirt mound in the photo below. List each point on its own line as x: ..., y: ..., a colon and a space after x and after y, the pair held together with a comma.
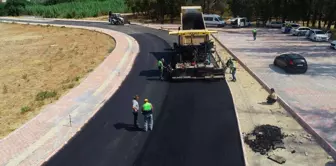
x: 264, y: 138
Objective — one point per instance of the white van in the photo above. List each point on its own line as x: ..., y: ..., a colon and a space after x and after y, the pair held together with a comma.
x: 213, y: 20
x: 240, y: 22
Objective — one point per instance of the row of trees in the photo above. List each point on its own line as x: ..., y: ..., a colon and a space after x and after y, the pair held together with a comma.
x: 320, y: 13
x: 311, y: 12
x: 159, y: 9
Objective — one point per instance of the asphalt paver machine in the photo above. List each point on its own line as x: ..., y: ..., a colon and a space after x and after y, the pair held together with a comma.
x: 195, y: 54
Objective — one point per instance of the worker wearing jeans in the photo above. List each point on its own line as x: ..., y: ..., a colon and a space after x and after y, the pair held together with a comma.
x: 147, y: 112
x: 233, y: 69
x: 135, y: 109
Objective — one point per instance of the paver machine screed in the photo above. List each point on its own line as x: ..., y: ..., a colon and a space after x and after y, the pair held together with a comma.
x: 194, y: 55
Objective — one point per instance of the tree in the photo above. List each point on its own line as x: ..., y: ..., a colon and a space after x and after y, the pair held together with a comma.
x: 15, y: 7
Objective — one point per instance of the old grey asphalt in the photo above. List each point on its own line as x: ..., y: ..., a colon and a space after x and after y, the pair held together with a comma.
x: 195, y: 122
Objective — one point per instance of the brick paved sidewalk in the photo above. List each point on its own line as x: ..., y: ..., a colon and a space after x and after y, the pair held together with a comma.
x: 41, y: 137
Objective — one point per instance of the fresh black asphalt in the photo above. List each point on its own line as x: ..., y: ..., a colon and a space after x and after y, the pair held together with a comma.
x: 195, y: 122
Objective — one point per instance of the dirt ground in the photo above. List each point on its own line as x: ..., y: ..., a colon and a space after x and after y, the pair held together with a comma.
x: 249, y: 97
x: 40, y: 64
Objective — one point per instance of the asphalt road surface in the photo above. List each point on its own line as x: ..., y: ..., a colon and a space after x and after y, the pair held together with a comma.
x: 194, y: 124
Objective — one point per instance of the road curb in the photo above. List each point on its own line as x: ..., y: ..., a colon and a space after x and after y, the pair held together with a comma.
x: 112, y: 86
x: 321, y: 141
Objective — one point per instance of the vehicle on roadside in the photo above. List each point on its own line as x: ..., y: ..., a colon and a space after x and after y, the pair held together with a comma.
x: 317, y: 35
x: 116, y: 19
x: 240, y: 22
x: 287, y: 29
x: 291, y: 63
x: 213, y: 20
x: 274, y: 24
x: 333, y: 44
x: 301, y: 31
x: 260, y: 22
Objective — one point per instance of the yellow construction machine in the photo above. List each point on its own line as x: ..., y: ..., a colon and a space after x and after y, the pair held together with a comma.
x: 195, y: 56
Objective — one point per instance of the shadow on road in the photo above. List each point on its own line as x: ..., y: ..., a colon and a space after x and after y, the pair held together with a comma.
x: 277, y: 69
x: 150, y: 73
x: 128, y: 127
x: 330, y: 163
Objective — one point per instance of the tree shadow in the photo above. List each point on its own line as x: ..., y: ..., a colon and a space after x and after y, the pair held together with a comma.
x: 128, y: 127
x: 330, y: 163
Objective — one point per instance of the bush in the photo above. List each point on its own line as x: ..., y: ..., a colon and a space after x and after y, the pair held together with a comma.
x: 44, y: 95
x: 25, y: 109
x: 76, y: 9
x: 2, y: 9
x: 14, y: 7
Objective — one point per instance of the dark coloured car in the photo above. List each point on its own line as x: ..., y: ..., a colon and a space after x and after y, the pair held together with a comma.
x: 291, y: 63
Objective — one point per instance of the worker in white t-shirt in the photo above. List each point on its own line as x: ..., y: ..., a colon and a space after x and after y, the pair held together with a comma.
x: 135, y: 110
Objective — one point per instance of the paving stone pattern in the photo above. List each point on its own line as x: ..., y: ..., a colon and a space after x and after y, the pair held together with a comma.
x: 313, y: 94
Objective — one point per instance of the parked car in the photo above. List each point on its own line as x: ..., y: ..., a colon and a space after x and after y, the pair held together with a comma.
x: 291, y: 63
x: 333, y: 44
x: 301, y: 31
x: 274, y: 24
x: 213, y: 20
x: 240, y: 22
x: 286, y: 29
x: 317, y: 35
x: 260, y: 22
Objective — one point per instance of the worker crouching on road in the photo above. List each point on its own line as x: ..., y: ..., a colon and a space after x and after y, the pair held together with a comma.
x: 147, y: 112
x: 272, y: 97
x: 160, y: 67
x: 135, y: 110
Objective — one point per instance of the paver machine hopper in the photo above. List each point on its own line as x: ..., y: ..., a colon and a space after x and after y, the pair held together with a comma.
x: 194, y: 55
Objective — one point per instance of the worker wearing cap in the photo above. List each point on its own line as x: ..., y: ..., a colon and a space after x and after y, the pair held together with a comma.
x: 254, y: 31
x: 147, y: 112
x: 160, y: 67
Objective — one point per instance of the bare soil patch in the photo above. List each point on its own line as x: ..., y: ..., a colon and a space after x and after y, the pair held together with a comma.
x: 249, y: 96
x: 40, y: 64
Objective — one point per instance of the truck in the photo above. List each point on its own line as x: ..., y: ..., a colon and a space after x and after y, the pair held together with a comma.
x: 195, y: 55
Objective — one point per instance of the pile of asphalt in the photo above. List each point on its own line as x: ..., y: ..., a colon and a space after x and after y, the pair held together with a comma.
x: 265, y: 138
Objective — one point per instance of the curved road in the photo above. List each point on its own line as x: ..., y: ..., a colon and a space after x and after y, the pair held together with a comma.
x: 194, y: 125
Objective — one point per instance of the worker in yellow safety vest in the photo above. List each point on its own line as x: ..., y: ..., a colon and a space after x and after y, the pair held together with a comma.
x: 160, y: 67
x: 254, y: 32
x: 147, y: 112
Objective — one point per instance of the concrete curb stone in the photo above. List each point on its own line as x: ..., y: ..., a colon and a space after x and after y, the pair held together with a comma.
x: 26, y: 142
